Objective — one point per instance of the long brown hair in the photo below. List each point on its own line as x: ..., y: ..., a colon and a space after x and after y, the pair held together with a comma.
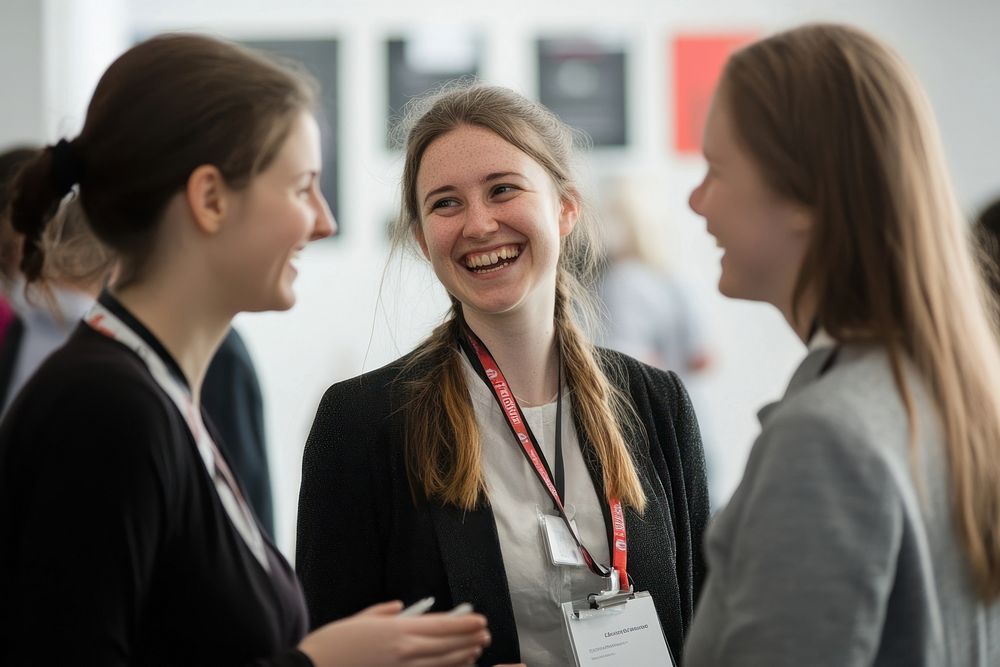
x: 443, y: 450
x: 837, y: 122
x: 165, y: 107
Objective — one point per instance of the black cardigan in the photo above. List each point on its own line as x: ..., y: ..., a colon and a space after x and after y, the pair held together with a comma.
x: 114, y: 546
x: 363, y: 539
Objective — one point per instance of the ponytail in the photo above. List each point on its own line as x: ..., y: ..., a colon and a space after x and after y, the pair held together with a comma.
x: 38, y: 190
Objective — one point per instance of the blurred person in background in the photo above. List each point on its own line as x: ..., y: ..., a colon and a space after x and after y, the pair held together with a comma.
x: 11, y: 326
x: 124, y: 537
x: 646, y: 309
x: 442, y: 500
x: 866, y: 529
x: 650, y: 313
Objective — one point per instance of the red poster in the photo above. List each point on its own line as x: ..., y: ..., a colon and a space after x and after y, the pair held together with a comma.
x: 698, y: 63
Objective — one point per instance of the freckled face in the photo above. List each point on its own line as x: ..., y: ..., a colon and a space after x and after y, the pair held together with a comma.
x: 490, y: 221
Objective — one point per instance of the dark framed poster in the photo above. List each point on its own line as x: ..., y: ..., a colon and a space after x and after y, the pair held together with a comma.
x: 424, y: 62
x: 319, y: 57
x: 583, y: 81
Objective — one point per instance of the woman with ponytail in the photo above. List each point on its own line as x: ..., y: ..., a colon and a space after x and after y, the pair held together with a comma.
x: 417, y: 464
x: 125, y: 539
x: 866, y: 530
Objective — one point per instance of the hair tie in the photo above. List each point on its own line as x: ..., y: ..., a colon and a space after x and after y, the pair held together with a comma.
x: 66, y: 167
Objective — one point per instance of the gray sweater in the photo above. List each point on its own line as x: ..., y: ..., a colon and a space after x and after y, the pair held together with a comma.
x: 831, y: 551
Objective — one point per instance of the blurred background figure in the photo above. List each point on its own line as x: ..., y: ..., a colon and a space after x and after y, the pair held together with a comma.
x: 37, y: 319
x: 649, y: 312
x: 647, y: 309
x: 231, y: 397
x: 11, y: 327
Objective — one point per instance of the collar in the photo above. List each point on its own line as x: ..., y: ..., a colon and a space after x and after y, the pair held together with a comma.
x: 821, y: 354
x: 108, y: 300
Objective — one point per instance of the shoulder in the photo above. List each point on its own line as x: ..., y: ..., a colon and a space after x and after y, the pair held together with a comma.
x: 646, y: 384
x: 95, y: 391
x: 370, y: 389
x: 823, y: 438
x: 230, y: 374
x: 96, y: 376
x: 855, y: 407
x: 361, y: 409
x: 232, y: 350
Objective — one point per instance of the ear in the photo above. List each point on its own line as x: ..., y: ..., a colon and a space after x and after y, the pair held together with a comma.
x: 207, y: 198
x: 569, y: 212
x: 418, y: 234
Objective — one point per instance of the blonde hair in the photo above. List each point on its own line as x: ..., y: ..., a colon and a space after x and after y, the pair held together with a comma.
x: 443, y: 449
x: 634, y: 219
x: 73, y: 254
x: 837, y: 122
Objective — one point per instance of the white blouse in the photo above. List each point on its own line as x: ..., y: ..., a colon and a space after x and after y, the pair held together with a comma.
x: 537, y: 587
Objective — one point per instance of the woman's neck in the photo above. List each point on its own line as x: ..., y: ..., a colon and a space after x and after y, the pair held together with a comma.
x: 189, y: 327
x: 802, y: 318
x: 525, y: 350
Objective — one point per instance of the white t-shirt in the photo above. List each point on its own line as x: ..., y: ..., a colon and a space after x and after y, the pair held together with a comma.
x: 537, y: 587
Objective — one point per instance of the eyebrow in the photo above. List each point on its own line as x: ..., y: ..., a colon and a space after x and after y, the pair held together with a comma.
x: 485, y: 179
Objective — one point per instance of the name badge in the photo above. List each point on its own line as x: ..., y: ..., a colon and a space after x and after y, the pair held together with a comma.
x: 561, y: 546
x: 626, y: 633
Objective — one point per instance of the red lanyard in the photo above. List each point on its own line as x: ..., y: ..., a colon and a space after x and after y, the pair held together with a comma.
x: 494, y: 378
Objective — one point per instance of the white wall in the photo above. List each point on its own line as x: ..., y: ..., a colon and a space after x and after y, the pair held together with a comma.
x: 336, y: 330
x: 21, y: 72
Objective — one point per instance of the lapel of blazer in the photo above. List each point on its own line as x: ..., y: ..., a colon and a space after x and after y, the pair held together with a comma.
x: 815, y: 363
x: 470, y: 550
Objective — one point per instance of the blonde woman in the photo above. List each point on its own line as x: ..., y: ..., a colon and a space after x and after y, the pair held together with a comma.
x: 866, y: 530
x: 418, y: 465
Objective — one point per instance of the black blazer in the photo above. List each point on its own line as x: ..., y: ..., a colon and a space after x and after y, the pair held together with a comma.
x: 115, y: 548
x: 362, y: 538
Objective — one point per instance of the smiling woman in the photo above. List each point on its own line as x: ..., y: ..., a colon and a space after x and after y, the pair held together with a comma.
x: 275, y: 219
x: 491, y: 223
x: 865, y: 531
x: 506, y: 424
x: 124, y: 537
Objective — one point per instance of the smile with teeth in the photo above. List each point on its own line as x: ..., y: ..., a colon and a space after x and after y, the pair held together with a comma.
x: 494, y: 260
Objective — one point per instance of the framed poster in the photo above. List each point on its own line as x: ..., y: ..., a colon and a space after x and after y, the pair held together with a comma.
x: 319, y: 57
x: 583, y: 81
x: 423, y: 62
x: 698, y: 63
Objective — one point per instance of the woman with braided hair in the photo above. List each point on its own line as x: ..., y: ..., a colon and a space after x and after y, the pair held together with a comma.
x: 458, y: 466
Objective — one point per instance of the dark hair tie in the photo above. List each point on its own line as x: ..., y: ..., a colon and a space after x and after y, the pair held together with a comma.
x: 66, y: 167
